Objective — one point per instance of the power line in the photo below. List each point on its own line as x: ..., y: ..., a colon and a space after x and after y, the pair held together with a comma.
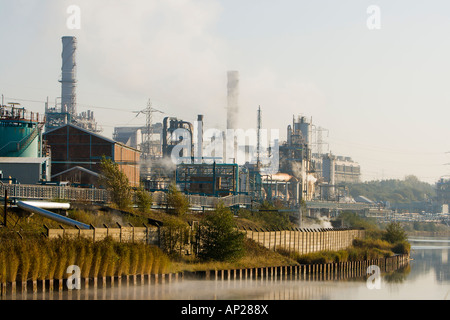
x: 79, y: 104
x: 148, y: 150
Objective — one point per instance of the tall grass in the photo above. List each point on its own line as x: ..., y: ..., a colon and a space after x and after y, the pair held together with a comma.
x: 123, y: 251
x: 134, y: 259
x: 43, y: 253
x: 143, y: 253
x: 44, y: 259
x: 149, y: 262
x: 96, y: 263
x: 25, y: 261
x: 52, y: 255
x: 60, y: 249
x: 109, y: 258
x: 3, y: 268
x: 12, y: 261
x: 36, y: 261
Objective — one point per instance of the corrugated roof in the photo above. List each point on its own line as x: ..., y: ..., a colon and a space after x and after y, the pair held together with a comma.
x: 77, y: 168
x: 94, y: 134
x: 81, y: 129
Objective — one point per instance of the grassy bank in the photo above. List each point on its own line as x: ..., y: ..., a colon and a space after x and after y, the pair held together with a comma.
x: 35, y: 257
x: 362, y: 249
x: 43, y: 259
x: 378, y: 243
x: 116, y: 254
x: 254, y: 256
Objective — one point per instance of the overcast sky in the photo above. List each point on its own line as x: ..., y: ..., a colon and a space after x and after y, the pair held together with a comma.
x: 382, y: 94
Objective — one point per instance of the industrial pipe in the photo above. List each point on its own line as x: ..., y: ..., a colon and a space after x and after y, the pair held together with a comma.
x: 51, y: 215
x: 48, y: 205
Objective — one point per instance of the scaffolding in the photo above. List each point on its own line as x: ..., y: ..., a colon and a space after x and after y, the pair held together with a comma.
x: 208, y: 179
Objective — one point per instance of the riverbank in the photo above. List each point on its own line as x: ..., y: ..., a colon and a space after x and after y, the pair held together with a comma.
x: 96, y: 288
x: 428, y: 233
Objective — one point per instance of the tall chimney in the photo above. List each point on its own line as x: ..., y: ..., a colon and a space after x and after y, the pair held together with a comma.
x: 68, y: 76
x: 233, y: 95
x: 199, y: 153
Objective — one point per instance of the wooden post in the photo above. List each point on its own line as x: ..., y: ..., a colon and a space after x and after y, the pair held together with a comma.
x: 5, y: 209
x: 3, y: 288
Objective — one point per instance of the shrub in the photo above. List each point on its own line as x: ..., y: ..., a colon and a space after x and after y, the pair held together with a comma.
x: 177, y: 200
x: 174, y: 235
x: 114, y: 180
x: 372, y: 243
x: 219, y: 238
x: 144, y: 200
x: 395, y: 233
x: 402, y: 247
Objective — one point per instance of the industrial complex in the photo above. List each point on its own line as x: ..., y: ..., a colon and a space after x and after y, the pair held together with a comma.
x: 64, y: 147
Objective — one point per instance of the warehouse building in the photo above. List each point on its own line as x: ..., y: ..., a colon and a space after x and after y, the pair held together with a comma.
x: 72, y: 146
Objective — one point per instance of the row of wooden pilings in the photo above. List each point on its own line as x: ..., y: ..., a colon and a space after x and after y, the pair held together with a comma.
x: 10, y: 290
x: 322, y: 271
x: 313, y: 272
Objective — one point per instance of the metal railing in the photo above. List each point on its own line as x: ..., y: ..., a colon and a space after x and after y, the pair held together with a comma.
x: 205, y: 201
x: 37, y: 192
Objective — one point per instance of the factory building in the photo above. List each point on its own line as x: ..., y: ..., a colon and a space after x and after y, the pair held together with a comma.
x: 72, y: 146
x: 24, y: 170
x: 135, y: 136
x: 337, y: 169
x: 24, y: 157
x: 295, y: 160
x: 208, y: 179
x: 79, y: 177
x: 282, y: 186
x: 333, y: 171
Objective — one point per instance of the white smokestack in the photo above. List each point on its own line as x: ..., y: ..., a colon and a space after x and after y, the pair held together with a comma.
x: 68, y: 76
x: 233, y: 95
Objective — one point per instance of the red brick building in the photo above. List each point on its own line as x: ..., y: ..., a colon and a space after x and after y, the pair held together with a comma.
x: 72, y: 146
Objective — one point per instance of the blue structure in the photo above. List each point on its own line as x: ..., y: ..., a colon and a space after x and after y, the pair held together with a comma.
x: 20, y: 132
x: 208, y: 179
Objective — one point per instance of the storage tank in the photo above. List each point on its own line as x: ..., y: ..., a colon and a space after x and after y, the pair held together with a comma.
x: 20, y: 132
x: 304, y: 128
x: 302, y: 125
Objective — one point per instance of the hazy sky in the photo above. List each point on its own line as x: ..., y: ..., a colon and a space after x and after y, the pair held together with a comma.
x: 382, y: 94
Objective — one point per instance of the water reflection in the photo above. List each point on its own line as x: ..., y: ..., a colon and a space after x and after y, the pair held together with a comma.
x: 431, y: 256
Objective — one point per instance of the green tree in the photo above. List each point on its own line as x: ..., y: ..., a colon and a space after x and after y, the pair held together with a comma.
x: 354, y: 220
x: 219, y: 238
x: 177, y: 200
x: 396, y: 191
x: 395, y: 233
x: 174, y: 235
x: 115, y: 181
x: 144, y: 200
